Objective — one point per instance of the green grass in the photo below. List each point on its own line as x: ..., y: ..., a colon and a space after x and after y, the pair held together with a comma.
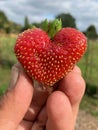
x: 90, y: 105
x: 4, y: 79
x: 7, y: 59
x: 88, y: 65
x: 7, y: 49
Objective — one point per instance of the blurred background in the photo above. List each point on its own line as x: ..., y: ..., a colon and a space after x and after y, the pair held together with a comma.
x: 17, y: 16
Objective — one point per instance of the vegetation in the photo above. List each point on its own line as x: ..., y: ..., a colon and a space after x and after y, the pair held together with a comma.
x: 89, y: 67
x: 26, y: 24
x: 90, y: 105
x: 67, y: 20
x: 91, y: 32
x: 7, y: 26
x: 88, y: 64
x: 7, y: 57
x: 4, y: 79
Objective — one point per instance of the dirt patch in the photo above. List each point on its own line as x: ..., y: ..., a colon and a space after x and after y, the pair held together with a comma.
x: 86, y: 121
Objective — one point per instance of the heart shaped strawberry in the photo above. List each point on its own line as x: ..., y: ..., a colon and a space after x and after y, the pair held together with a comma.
x: 48, y: 60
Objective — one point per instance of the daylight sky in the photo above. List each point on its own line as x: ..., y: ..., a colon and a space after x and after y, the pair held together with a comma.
x: 84, y: 11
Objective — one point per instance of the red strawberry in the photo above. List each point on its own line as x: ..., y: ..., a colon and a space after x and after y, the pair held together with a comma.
x: 49, y: 60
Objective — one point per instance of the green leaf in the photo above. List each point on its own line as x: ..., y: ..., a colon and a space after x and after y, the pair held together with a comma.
x: 52, y: 27
x: 45, y: 25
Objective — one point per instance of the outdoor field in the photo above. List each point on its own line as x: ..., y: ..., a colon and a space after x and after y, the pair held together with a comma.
x: 88, y: 65
x: 53, y: 18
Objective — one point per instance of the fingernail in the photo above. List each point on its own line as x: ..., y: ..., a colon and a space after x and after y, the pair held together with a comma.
x: 15, y: 72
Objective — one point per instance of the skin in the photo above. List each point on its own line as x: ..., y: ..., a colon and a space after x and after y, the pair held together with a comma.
x: 25, y: 107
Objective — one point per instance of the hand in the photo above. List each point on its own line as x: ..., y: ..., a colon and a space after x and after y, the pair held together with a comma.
x: 25, y: 107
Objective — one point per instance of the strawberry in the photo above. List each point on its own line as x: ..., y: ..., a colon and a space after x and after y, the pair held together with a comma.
x: 46, y: 59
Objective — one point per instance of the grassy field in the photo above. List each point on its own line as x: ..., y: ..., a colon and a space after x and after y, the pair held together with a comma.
x: 7, y: 59
x: 6, y: 49
x: 88, y: 65
x: 4, y: 79
x: 90, y: 105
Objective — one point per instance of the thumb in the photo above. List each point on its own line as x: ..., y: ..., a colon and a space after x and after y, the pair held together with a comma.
x: 14, y: 104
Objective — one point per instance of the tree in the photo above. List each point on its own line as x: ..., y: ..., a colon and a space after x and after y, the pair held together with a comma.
x: 26, y: 24
x: 3, y: 20
x: 7, y: 26
x: 91, y: 32
x: 67, y: 20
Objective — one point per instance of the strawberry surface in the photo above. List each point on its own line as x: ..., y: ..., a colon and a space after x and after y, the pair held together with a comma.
x: 48, y: 60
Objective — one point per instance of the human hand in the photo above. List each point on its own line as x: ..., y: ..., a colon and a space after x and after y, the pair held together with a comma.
x: 25, y: 107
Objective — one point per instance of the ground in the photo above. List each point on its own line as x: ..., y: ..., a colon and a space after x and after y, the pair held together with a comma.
x: 85, y: 121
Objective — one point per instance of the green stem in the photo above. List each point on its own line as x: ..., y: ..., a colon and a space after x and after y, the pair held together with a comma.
x: 52, y: 27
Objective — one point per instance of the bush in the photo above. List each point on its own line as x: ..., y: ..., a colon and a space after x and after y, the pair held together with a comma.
x: 91, y: 90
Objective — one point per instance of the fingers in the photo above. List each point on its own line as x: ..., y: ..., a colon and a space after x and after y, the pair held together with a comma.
x: 59, y: 112
x: 38, y: 101
x: 40, y: 122
x: 73, y: 86
x: 16, y: 101
x: 63, y: 105
x: 25, y: 125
